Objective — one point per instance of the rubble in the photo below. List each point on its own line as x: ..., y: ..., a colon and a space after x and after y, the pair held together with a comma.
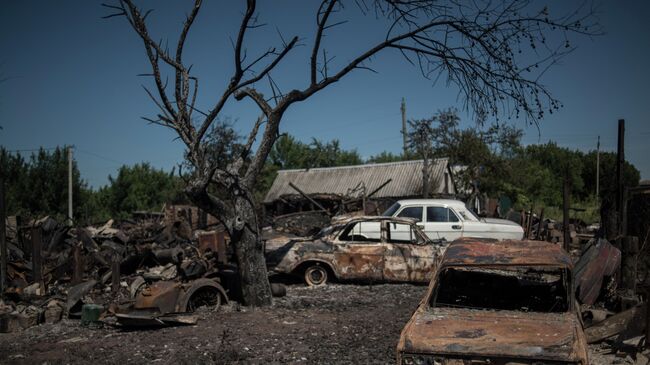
x: 56, y: 271
x: 617, y: 324
x: 171, y: 269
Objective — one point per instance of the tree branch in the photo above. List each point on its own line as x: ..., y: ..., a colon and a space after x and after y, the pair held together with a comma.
x: 321, y: 21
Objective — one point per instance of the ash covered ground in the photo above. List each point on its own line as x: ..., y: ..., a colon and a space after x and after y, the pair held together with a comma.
x: 333, y: 324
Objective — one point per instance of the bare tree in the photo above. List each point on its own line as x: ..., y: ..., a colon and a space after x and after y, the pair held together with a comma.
x: 479, y: 46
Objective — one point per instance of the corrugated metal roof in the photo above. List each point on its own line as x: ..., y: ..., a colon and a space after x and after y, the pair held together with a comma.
x: 406, y: 179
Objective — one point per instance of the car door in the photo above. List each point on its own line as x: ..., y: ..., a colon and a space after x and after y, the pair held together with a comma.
x: 441, y: 222
x: 357, y: 257
x: 407, y: 260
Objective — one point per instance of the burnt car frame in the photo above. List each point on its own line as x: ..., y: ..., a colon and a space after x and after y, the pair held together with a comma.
x: 402, y: 253
x: 176, y: 297
x: 499, y: 303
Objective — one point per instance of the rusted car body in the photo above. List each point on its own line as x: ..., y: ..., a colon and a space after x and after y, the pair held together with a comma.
x: 499, y: 303
x: 402, y: 253
x: 175, y: 297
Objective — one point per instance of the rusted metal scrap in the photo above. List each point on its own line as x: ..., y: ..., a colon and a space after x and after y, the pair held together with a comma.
x: 631, y: 321
x: 146, y: 320
x: 599, y: 260
x: 166, y: 297
x: 164, y: 303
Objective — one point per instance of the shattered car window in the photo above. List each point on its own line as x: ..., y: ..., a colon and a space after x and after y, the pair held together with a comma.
x: 361, y: 232
x: 402, y: 233
x: 526, y: 289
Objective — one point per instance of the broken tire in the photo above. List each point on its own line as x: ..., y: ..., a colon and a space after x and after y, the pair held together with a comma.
x: 204, y: 297
x: 315, y: 275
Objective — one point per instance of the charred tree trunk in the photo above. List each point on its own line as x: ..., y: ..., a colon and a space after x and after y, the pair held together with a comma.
x: 249, y: 251
x: 240, y: 219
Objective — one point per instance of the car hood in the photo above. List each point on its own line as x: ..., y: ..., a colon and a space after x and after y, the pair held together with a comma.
x: 500, y: 334
x: 499, y: 221
x: 294, y: 249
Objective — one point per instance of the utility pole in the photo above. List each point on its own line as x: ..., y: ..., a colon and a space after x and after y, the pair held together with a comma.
x: 3, y: 241
x: 565, y: 211
x: 70, y: 185
x: 620, y: 160
x: 598, y: 171
x: 403, y: 108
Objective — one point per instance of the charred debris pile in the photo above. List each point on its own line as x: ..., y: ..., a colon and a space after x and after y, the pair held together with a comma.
x: 156, y: 269
x: 148, y: 271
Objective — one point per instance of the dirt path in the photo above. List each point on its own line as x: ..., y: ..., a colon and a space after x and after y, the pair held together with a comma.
x: 325, y: 325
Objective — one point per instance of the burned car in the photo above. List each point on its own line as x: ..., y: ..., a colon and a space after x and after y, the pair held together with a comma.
x: 500, y: 303
x: 401, y: 253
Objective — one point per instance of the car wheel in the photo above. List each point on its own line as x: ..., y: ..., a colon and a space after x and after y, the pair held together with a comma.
x: 205, y: 297
x: 316, y: 275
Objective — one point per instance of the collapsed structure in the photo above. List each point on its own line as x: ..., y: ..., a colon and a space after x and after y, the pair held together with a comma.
x: 349, y: 188
x: 140, y: 270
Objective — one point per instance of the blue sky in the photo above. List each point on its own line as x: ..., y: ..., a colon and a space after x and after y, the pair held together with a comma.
x: 74, y: 81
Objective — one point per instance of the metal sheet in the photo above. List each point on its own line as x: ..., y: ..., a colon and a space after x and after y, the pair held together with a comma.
x: 481, y: 251
x: 406, y: 179
x: 493, y: 334
x: 601, y: 259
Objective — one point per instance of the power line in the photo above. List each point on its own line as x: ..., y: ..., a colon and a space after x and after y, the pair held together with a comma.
x: 101, y: 157
x: 33, y: 149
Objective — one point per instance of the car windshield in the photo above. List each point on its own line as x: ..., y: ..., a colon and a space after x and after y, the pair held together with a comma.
x: 525, y: 289
x: 391, y: 210
x: 467, y: 214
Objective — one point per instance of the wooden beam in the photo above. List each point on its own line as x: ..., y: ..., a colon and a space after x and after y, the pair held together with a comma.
x: 37, y: 258
x: 3, y: 241
x: 308, y: 197
x: 565, y: 211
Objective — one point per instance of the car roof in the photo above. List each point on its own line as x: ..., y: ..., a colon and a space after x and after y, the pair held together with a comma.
x: 372, y: 218
x: 449, y: 202
x: 488, y: 252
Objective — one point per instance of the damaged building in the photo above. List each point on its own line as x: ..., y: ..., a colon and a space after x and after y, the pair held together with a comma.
x: 370, y: 188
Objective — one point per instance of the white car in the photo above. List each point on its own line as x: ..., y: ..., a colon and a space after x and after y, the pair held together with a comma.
x: 450, y: 219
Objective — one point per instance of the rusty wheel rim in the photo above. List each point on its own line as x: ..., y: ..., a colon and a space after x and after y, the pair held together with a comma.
x: 315, y: 275
x: 207, y: 298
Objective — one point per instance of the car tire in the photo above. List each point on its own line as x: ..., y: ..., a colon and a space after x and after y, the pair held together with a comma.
x: 208, y: 297
x: 316, y: 275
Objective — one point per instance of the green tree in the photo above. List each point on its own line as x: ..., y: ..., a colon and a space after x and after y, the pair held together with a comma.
x: 39, y: 186
x: 289, y: 153
x: 482, y: 152
x: 140, y: 187
x: 559, y: 160
x: 329, y: 154
x: 384, y: 157
x: 631, y: 175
